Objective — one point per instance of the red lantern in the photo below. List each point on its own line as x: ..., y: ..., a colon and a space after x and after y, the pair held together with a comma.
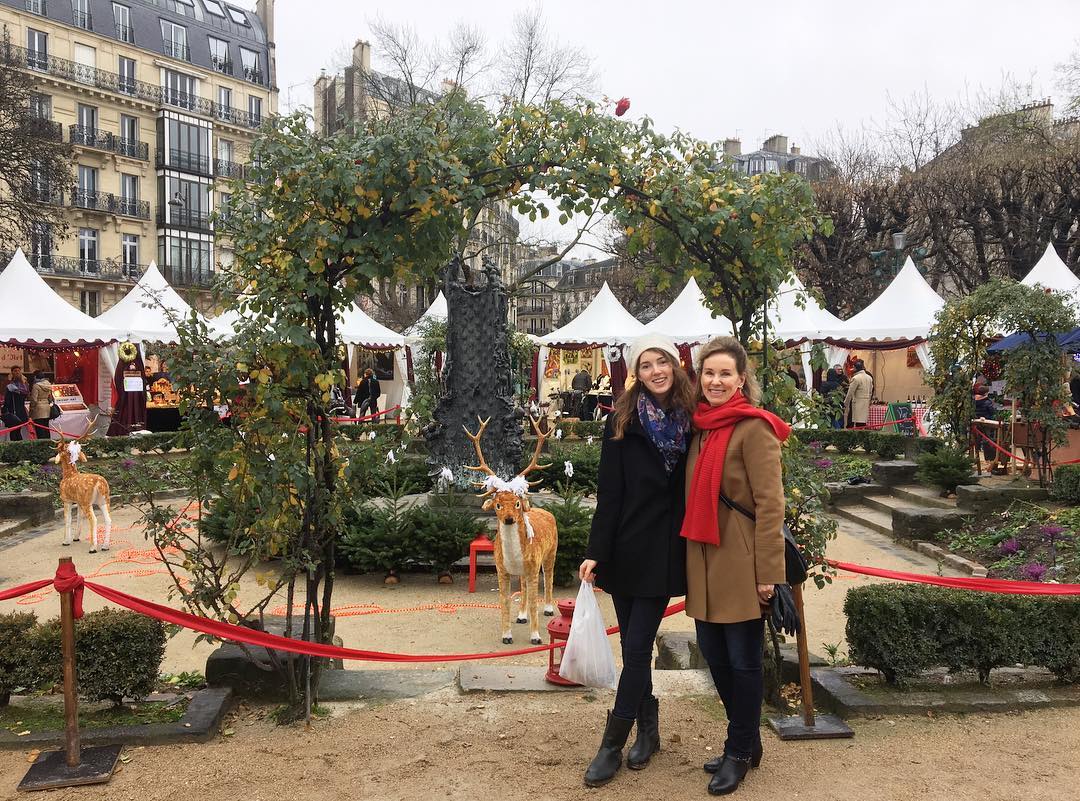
x: 559, y: 631
x: 622, y: 106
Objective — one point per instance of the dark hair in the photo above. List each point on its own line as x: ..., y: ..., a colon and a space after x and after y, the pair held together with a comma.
x: 681, y: 396
x: 733, y: 348
x: 859, y: 365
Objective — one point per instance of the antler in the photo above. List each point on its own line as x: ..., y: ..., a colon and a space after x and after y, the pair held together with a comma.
x: 89, y: 427
x: 541, y: 438
x: 483, y: 466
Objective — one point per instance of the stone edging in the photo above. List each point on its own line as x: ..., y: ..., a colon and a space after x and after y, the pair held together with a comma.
x: 955, y: 561
x: 198, y: 725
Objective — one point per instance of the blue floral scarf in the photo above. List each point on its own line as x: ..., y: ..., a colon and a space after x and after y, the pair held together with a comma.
x: 668, y: 431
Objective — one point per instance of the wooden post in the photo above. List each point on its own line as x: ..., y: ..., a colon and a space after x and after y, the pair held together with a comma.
x: 1014, y: 465
x: 71, y: 698
x: 804, y: 661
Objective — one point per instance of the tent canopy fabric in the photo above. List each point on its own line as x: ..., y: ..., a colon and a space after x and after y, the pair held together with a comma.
x: 904, y: 311
x: 1050, y: 272
x: 35, y: 316
x: 149, y: 312
x: 603, y: 322
x: 789, y: 322
x: 688, y: 320
x: 1069, y: 341
x: 436, y: 312
x: 355, y: 327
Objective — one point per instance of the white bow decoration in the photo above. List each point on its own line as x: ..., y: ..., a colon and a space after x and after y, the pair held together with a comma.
x: 568, y: 468
x: 74, y: 449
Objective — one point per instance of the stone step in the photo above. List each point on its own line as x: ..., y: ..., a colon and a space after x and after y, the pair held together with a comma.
x: 873, y: 519
x: 923, y: 496
x: 9, y: 526
x: 886, y: 504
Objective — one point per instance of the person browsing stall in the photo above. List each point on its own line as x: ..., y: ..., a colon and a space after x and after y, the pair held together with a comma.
x: 635, y: 553
x: 734, y: 558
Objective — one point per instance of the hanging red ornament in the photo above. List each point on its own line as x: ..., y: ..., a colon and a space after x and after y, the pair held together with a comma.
x: 622, y: 106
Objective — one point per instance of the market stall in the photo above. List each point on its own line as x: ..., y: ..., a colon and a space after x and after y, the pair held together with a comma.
x: 373, y: 345
x: 890, y: 336
x: 1050, y: 272
x: 602, y: 330
x: 41, y: 332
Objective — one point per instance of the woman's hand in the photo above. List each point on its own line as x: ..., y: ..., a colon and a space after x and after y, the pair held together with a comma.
x: 765, y: 593
x: 585, y: 572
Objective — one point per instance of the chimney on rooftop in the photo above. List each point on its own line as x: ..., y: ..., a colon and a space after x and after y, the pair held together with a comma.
x: 732, y: 147
x: 775, y: 144
x: 795, y: 150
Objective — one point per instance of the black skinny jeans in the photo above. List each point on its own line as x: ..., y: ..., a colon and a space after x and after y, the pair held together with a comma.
x: 639, y: 620
x: 733, y: 652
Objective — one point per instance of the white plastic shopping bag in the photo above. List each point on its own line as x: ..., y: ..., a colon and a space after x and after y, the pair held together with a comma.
x: 587, y: 658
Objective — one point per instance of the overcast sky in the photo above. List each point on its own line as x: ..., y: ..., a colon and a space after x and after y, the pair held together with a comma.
x: 719, y: 69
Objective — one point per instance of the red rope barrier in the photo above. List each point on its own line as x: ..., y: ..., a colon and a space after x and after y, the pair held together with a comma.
x: 1019, y: 459
x: 879, y: 426
x: 963, y: 583
x: 367, y: 418
x: 15, y: 428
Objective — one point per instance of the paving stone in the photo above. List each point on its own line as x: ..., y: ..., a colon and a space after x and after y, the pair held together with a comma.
x: 355, y: 685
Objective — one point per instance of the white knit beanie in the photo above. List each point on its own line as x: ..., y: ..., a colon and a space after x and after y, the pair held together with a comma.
x: 660, y: 342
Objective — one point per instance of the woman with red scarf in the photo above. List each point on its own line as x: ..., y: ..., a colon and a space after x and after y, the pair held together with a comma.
x: 733, y: 561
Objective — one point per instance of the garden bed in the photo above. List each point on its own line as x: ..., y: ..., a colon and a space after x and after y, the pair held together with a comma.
x: 126, y: 476
x: 28, y: 714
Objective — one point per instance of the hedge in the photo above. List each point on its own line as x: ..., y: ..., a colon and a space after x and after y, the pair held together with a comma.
x: 118, y: 654
x: 362, y: 431
x: 40, y: 451
x: 903, y: 630
x: 1067, y: 484
x: 885, y: 445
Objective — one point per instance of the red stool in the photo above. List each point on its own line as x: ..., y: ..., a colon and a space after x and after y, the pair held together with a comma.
x: 480, y: 544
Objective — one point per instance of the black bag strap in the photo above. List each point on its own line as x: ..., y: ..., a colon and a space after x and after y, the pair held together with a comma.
x: 730, y: 504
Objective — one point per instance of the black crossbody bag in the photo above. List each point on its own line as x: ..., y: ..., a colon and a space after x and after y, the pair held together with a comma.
x: 795, y: 565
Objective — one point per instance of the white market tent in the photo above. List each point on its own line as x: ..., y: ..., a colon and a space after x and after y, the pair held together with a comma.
x: 792, y: 323
x: 34, y: 315
x: 1050, y: 272
x: 357, y: 330
x: 436, y: 312
x: 149, y: 312
x: 603, y: 322
x: 902, y: 313
x: 688, y: 320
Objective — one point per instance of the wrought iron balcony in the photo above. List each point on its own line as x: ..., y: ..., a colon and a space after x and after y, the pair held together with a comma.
x: 223, y: 65
x: 183, y: 160
x: 110, y: 204
x: 101, y: 269
x: 83, y: 20
x: 253, y: 74
x: 90, y: 137
x: 176, y: 50
x: 132, y: 148
x: 125, y: 33
x: 228, y: 169
x: 180, y: 217
x: 39, y: 61
x: 44, y: 129
x: 46, y: 194
x: 186, y: 276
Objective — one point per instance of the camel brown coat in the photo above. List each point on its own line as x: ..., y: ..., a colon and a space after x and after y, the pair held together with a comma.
x: 857, y: 401
x: 722, y: 580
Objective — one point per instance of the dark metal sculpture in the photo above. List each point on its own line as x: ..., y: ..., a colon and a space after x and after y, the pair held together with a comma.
x: 477, y: 378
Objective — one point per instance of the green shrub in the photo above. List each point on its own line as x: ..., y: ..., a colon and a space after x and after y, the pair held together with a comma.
x: 585, y: 428
x: 887, y: 446
x: 35, y: 451
x: 376, y: 533
x: 16, y: 669
x: 945, y: 469
x: 1067, y: 484
x: 585, y: 459
x: 442, y: 532
x: 392, y: 432
x: 574, y: 521
x: 903, y: 630
x: 119, y: 654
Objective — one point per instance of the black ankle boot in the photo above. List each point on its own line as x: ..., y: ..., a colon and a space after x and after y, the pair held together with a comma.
x: 647, y: 741
x: 713, y: 764
x: 729, y: 775
x: 608, y: 759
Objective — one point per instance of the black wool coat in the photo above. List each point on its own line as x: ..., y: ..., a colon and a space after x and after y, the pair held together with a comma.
x: 639, y: 510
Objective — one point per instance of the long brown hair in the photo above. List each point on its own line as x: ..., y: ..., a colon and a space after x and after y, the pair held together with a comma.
x: 681, y: 397
x: 733, y: 348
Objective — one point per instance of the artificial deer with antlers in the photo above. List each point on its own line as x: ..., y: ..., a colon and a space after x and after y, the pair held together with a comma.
x: 84, y: 491
x: 526, y: 538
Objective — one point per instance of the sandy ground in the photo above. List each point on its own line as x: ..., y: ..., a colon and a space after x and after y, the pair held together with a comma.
x: 418, y: 615
x: 536, y: 747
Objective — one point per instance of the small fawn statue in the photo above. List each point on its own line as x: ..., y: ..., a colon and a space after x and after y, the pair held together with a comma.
x: 526, y: 539
x: 84, y: 491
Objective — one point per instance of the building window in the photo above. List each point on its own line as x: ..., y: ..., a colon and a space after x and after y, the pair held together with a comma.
x: 237, y: 16
x: 188, y: 146
x: 185, y: 8
x: 40, y: 106
x: 174, y: 40
x: 37, y: 49
x: 129, y: 186
x: 122, y: 21
x: 255, y: 109
x: 219, y: 55
x: 214, y: 7
x: 88, y: 250
x: 187, y: 203
x: 186, y: 261
x: 85, y: 63
x: 86, y: 195
x: 80, y: 12
x: 129, y: 254
x: 36, y: 7
x: 126, y: 70
x: 179, y: 89
x: 225, y: 150
x: 90, y: 302
x: 250, y: 60
x: 41, y: 246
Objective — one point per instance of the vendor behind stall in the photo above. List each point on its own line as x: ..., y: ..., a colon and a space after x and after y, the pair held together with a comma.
x: 41, y: 400
x: 13, y: 410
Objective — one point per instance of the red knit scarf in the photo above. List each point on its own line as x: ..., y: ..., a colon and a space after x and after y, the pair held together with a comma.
x: 700, y: 523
